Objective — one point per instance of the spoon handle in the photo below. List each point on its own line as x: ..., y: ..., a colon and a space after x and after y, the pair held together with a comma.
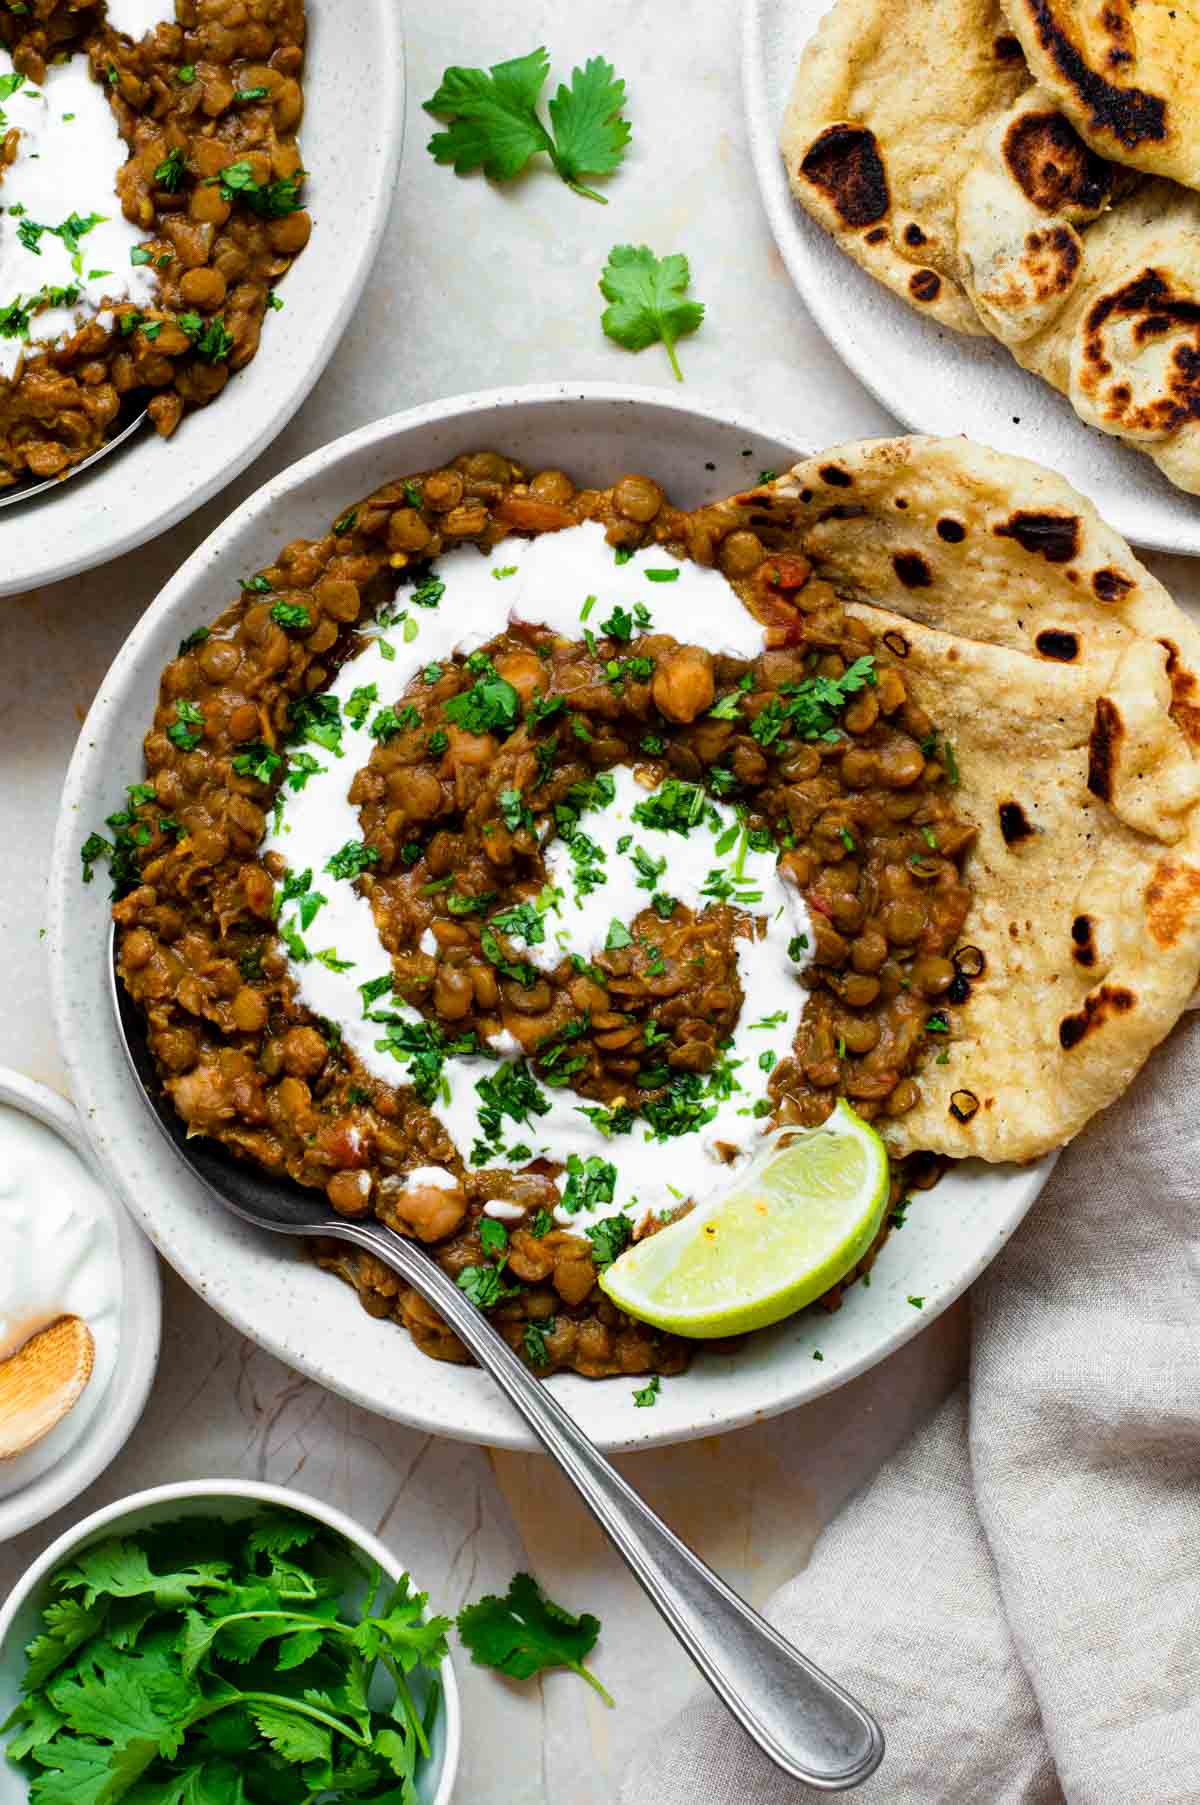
x: 802, y: 1720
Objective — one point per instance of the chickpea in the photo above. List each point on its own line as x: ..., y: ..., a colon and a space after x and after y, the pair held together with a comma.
x: 470, y: 748
x: 421, y: 796
x: 741, y: 554
x: 290, y: 234
x: 638, y: 498
x: 932, y: 976
x: 466, y: 522
x: 249, y: 1011
x: 407, y: 531
x: 868, y: 952
x: 901, y: 764
x: 428, y: 1211
x: 859, y: 768
x: 304, y: 1052
x: 350, y: 1193
x: 526, y: 672
x: 138, y: 949
x: 453, y: 993
x: 683, y: 684
x: 203, y: 288
x: 219, y: 659
x: 862, y: 713
x: 443, y: 490
x: 902, y: 921
x: 243, y: 722
x: 552, y: 486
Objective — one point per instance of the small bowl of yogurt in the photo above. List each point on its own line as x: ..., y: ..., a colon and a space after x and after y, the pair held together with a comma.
x: 67, y: 1249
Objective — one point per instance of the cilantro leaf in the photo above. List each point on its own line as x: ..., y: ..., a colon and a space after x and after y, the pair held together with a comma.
x: 494, y: 123
x: 646, y: 296
x: 119, y: 1569
x: 590, y: 134
x: 525, y: 1633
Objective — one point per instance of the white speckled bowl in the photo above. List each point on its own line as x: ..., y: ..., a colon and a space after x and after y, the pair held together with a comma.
x: 352, y: 136
x: 137, y: 1358
x: 262, y: 1284
x: 231, y: 1499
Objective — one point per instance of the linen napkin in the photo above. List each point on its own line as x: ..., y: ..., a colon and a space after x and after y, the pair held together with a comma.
x: 1017, y: 1594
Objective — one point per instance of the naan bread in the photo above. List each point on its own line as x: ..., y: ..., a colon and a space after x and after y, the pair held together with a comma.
x: 1125, y: 72
x: 880, y: 129
x: 1068, y: 682
x: 1091, y: 277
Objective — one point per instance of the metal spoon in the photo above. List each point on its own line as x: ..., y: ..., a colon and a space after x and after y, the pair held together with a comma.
x: 26, y: 491
x: 802, y: 1720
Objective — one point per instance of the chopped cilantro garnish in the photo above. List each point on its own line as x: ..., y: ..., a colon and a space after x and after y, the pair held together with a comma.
x: 590, y: 1183
x: 609, y: 1238
x: 352, y: 859
x: 186, y: 730
x: 292, y: 615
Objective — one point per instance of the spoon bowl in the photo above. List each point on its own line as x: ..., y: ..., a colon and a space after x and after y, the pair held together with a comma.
x: 801, y: 1719
x: 21, y: 492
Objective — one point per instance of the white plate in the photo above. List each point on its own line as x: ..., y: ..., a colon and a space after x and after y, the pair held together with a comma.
x: 137, y: 1358
x: 932, y: 379
x: 269, y: 1291
x: 231, y: 1500
x: 351, y: 136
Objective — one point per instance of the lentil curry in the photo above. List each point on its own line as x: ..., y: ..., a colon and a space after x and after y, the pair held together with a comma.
x: 208, y: 106
x: 482, y: 765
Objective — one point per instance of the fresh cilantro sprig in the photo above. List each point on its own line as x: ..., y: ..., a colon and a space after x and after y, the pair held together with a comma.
x: 218, y: 1664
x: 646, y: 296
x: 494, y: 123
x: 525, y: 1633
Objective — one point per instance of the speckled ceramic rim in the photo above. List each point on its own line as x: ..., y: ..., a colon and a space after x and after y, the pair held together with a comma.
x: 930, y: 377
x: 353, y: 135
x: 269, y: 1292
x: 252, y: 1492
x: 141, y: 1321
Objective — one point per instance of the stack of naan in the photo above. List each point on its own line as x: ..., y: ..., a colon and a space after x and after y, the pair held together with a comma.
x: 1028, y: 171
x: 1068, y: 683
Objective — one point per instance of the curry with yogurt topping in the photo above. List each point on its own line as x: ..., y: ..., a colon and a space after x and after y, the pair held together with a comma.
x: 207, y: 195
x: 479, y: 767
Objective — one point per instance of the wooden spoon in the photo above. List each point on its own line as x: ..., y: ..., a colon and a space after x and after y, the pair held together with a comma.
x: 43, y: 1381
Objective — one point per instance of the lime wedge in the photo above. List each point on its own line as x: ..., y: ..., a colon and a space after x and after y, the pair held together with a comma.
x: 793, y: 1223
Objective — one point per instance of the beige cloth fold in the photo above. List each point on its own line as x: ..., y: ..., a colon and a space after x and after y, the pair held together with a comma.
x: 1017, y: 1593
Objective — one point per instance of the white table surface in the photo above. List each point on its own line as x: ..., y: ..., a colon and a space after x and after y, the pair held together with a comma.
x: 477, y: 287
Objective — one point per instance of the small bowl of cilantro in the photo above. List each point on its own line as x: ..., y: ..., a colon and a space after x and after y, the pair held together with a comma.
x: 223, y: 1643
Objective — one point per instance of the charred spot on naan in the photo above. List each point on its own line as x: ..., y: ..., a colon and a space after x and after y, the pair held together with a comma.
x: 1130, y: 115
x: 1007, y: 49
x: 1054, y: 537
x: 1184, y: 710
x: 1051, y: 261
x: 1053, y: 167
x: 1109, y: 1000
x: 952, y: 531
x: 845, y: 165
x: 1110, y: 586
x: 1155, y: 310
x: 1103, y: 744
x: 836, y: 477
x: 1015, y: 824
x: 1083, y: 948
x: 926, y: 285
x: 1172, y: 902
x: 912, y: 570
x: 1053, y: 642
